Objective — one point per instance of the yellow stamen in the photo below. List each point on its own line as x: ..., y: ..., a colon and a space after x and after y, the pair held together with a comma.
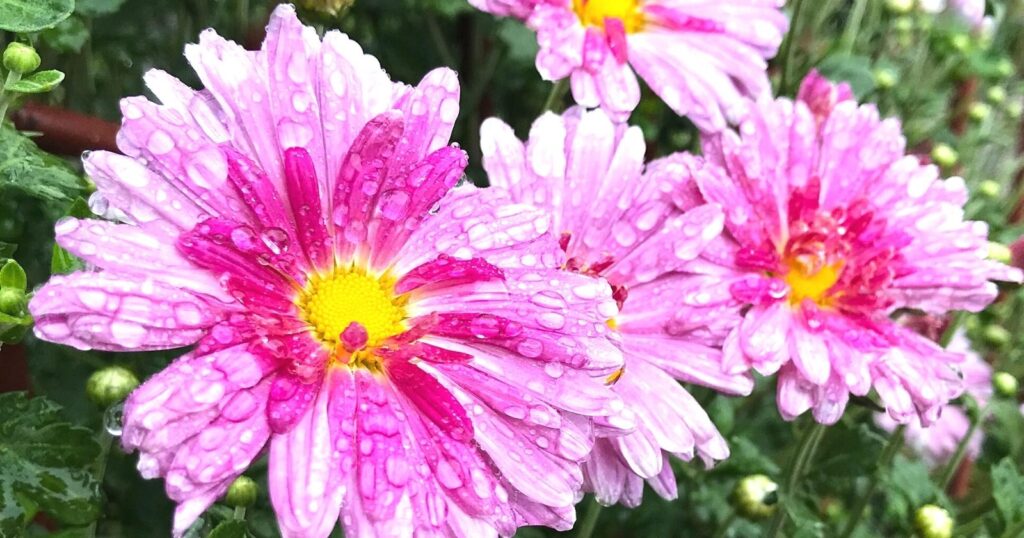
x: 594, y: 13
x: 615, y: 376
x: 612, y: 324
x: 333, y: 301
x: 807, y: 283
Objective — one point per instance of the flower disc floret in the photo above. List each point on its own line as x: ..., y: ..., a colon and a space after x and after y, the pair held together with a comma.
x: 332, y: 302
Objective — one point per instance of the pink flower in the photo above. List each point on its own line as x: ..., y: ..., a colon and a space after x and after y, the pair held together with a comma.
x: 830, y: 227
x: 971, y: 11
x: 412, y: 357
x: 938, y: 442
x: 617, y: 219
x: 703, y: 59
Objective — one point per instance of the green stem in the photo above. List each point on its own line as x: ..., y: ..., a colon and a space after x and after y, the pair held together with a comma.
x: 723, y: 528
x: 105, y: 440
x: 884, y: 463
x: 437, y: 37
x: 954, y: 324
x: 787, y: 48
x: 849, y: 38
x: 794, y: 472
x: 239, y: 514
x: 961, y: 450
x: 590, y: 520
x: 5, y: 98
x: 1015, y: 530
x: 557, y: 92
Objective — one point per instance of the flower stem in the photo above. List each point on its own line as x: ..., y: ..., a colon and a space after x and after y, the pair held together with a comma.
x: 853, y: 26
x: 961, y: 450
x: 795, y: 471
x: 5, y: 98
x: 239, y: 514
x: 954, y: 323
x: 557, y: 92
x: 590, y: 520
x: 787, y: 48
x: 884, y: 462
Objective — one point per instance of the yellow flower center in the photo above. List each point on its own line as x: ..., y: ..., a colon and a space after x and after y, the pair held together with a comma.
x: 332, y: 302
x: 807, y: 281
x: 594, y: 13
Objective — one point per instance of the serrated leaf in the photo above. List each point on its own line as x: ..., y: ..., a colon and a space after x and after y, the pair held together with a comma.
x: 40, y: 82
x: 44, y: 462
x: 24, y: 16
x: 26, y: 169
x: 1008, y: 491
x: 229, y: 529
x: 848, y: 452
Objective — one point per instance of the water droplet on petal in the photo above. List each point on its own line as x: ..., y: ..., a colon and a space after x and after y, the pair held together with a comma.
x: 113, y: 420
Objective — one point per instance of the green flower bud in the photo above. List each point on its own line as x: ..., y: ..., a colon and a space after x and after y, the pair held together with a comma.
x: 903, y: 25
x: 1005, y: 384
x: 979, y: 111
x: 21, y: 58
x: 996, y: 95
x: 1015, y: 109
x: 999, y: 252
x: 755, y: 496
x: 12, y: 301
x: 885, y: 78
x: 242, y: 492
x: 1005, y: 68
x: 960, y: 42
x: 110, y: 385
x: 932, y: 521
x: 996, y: 336
x: 899, y: 7
x: 990, y: 189
x: 330, y: 7
x: 944, y: 155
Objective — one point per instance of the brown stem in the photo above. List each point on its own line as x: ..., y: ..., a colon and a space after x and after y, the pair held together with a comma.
x: 65, y: 132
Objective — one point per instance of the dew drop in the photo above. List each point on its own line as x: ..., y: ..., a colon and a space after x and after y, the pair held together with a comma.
x: 113, y: 420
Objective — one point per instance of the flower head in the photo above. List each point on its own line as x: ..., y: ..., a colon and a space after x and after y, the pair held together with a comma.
x: 617, y: 219
x: 408, y: 351
x: 829, y: 229
x: 704, y: 60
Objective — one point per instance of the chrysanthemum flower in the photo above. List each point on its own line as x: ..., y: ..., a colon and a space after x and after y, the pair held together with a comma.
x: 704, y: 59
x: 938, y: 442
x: 829, y: 229
x: 617, y: 219
x: 405, y: 352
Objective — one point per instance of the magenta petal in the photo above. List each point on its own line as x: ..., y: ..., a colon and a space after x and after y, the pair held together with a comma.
x: 434, y: 402
x: 304, y: 197
x: 290, y: 397
x: 445, y: 271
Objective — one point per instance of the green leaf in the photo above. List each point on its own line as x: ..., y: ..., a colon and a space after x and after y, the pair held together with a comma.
x: 856, y: 70
x: 26, y: 169
x: 69, y: 36
x: 63, y: 262
x: 13, y: 276
x: 24, y: 16
x: 229, y: 529
x: 92, y: 8
x: 40, y: 82
x: 13, y: 328
x: 848, y: 452
x: 44, y: 462
x: 1008, y: 491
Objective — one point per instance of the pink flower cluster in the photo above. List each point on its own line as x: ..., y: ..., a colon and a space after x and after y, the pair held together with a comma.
x: 420, y: 357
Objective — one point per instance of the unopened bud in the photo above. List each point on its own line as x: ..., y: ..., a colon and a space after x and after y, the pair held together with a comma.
x: 996, y: 95
x: 1005, y: 385
x: 110, y: 385
x: 979, y: 111
x: 12, y: 301
x: 21, y: 58
x: 996, y: 336
x: 932, y: 521
x: 999, y: 252
x: 1015, y: 109
x: 241, y: 493
x: 960, y: 42
x: 885, y: 78
x: 990, y: 189
x: 755, y: 496
x: 899, y: 7
x: 1004, y: 68
x: 944, y: 155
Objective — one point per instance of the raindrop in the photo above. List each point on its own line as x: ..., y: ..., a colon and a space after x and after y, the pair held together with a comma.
x: 276, y: 240
x: 113, y: 420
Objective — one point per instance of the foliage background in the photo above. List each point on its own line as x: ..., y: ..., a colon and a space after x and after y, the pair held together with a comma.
x: 950, y: 86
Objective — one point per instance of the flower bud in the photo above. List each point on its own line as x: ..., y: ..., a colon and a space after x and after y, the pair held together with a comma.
x: 1004, y: 68
x: 330, y: 7
x: 903, y: 25
x: 960, y: 42
x: 110, y: 385
x: 1015, y: 109
x: 241, y: 493
x: 755, y: 496
x: 999, y: 252
x: 885, y: 78
x: 1005, y: 385
x: 12, y: 301
x: 932, y: 521
x: 944, y: 155
x: 21, y: 58
x: 979, y: 111
x: 990, y: 189
x: 996, y: 336
x: 899, y: 7
x: 996, y: 95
